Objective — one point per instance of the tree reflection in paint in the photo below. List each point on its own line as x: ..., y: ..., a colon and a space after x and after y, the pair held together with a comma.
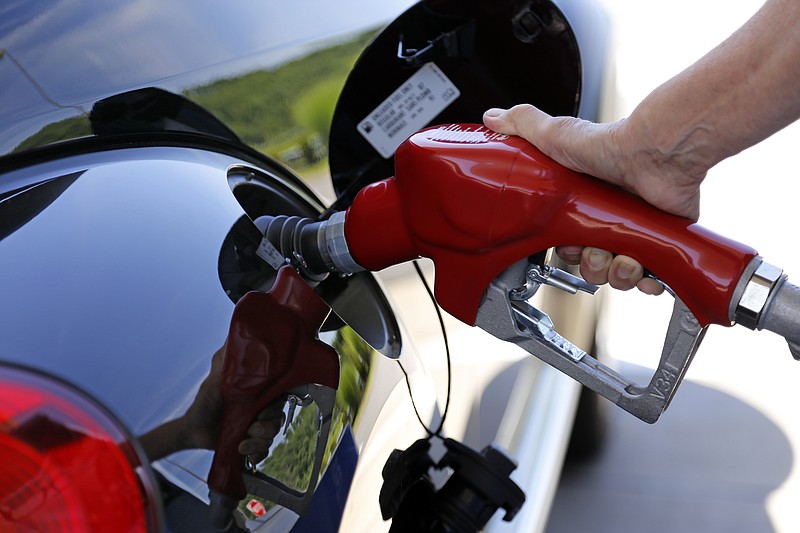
x: 291, y: 458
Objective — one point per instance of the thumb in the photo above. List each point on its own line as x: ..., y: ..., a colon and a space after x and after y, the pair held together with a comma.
x: 575, y: 143
x: 522, y: 120
x: 551, y: 135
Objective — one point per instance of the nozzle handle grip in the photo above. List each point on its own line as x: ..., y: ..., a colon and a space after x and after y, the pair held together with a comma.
x: 272, y: 347
x: 475, y: 202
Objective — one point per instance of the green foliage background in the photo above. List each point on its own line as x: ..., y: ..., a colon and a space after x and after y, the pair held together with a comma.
x: 287, y: 107
x: 284, y: 112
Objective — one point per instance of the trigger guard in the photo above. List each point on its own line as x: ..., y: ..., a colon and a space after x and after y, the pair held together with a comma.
x: 683, y: 338
x: 497, y: 315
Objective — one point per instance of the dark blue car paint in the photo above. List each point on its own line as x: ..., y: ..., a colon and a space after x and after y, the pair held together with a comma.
x: 110, y: 244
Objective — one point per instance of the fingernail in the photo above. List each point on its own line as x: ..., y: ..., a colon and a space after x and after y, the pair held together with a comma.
x: 494, y: 112
x: 624, y: 271
x: 597, y: 259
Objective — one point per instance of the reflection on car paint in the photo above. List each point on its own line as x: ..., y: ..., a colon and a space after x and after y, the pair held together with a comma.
x: 67, y: 55
x: 284, y: 111
x: 291, y: 455
x: 98, y: 215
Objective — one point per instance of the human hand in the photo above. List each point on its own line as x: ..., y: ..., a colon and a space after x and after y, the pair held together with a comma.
x: 612, y: 153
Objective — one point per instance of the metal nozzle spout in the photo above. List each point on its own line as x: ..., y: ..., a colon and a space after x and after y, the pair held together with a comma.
x: 782, y: 315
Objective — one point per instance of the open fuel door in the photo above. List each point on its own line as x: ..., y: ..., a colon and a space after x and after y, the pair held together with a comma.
x: 448, y: 61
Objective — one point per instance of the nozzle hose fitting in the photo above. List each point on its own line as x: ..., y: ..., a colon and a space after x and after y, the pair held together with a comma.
x: 317, y: 248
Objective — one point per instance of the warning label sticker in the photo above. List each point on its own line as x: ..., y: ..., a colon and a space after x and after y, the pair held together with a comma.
x: 409, y: 109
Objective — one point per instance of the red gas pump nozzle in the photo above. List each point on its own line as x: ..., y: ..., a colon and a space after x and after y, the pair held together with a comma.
x: 481, y: 204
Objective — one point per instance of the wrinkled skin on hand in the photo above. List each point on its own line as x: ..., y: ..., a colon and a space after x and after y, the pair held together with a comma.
x: 615, y: 152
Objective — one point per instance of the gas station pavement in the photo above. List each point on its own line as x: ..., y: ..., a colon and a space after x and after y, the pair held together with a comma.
x: 711, y: 464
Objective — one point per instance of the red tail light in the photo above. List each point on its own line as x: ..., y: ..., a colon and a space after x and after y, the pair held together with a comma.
x: 65, y: 464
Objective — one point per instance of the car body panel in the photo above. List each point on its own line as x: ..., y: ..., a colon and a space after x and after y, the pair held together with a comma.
x: 61, y: 57
x: 129, y: 302
x: 134, y: 137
